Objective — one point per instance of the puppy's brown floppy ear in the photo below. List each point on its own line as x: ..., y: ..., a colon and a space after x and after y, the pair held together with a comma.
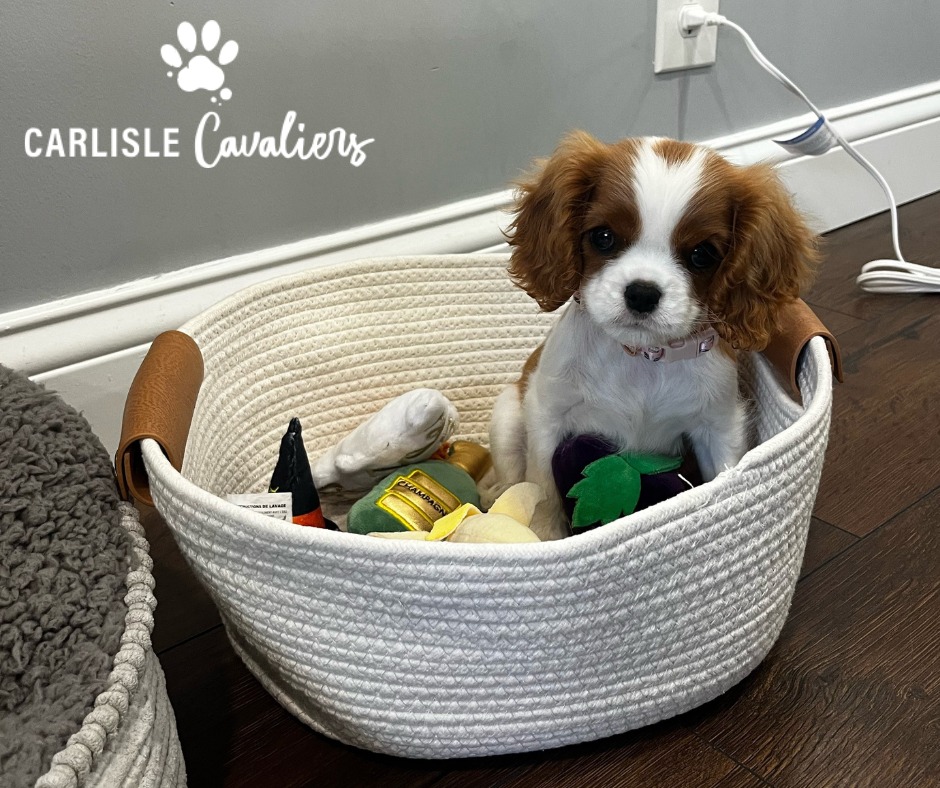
x: 546, y: 233
x: 773, y: 258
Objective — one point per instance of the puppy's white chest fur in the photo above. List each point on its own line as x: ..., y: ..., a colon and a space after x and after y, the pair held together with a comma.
x: 587, y: 384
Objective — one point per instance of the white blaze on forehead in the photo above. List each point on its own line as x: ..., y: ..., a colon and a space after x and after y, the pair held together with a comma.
x: 663, y: 191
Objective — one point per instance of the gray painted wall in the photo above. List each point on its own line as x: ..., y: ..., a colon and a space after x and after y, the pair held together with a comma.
x: 459, y: 97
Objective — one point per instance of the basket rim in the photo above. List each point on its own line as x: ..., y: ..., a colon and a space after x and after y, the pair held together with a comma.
x: 171, y: 483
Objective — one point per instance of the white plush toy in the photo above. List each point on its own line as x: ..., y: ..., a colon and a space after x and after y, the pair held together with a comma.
x: 408, y: 429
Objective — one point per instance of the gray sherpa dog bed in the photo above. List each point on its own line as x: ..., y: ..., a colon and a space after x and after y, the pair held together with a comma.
x: 82, y: 696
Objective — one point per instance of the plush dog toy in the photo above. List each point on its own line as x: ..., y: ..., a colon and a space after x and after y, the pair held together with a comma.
x: 407, y: 430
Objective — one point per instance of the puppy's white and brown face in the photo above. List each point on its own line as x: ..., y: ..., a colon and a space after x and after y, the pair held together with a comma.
x: 660, y: 237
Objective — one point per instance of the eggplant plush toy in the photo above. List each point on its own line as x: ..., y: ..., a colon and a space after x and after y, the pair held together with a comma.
x: 599, y: 486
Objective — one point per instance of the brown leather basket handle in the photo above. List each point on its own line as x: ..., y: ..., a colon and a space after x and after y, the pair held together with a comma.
x: 159, y: 405
x: 796, y: 326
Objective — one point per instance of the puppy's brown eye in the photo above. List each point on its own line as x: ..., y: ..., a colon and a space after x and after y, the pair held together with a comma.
x: 705, y: 255
x: 603, y: 239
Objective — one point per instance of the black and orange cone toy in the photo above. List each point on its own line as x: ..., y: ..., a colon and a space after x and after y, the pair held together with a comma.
x: 292, y: 474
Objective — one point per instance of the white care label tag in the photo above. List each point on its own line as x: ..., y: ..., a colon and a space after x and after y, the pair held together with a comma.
x: 815, y: 141
x: 280, y: 506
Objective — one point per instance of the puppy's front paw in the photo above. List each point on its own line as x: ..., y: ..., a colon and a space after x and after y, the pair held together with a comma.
x: 490, y: 489
x: 549, y: 521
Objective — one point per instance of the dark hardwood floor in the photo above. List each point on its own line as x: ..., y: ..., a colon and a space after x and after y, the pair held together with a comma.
x: 849, y: 696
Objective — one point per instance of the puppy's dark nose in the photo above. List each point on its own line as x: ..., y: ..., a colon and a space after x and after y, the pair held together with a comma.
x: 642, y: 297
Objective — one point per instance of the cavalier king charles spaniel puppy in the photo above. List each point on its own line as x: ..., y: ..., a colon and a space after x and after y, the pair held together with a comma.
x: 674, y: 260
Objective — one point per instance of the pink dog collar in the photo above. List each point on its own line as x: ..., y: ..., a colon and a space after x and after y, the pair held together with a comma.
x: 678, y: 349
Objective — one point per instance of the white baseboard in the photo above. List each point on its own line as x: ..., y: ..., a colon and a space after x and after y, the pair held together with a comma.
x: 88, y: 346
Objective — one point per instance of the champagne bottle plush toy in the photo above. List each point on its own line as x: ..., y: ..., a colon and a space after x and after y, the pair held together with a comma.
x: 412, y: 498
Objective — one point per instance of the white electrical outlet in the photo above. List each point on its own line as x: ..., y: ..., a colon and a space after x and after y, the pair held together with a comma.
x: 676, y: 49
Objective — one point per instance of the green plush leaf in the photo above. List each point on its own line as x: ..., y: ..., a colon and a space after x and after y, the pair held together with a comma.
x: 648, y: 464
x: 610, y: 489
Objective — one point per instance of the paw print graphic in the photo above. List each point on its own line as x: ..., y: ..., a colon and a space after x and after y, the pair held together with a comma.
x: 201, y: 72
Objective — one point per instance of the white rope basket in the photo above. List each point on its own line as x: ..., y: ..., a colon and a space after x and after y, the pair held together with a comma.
x: 432, y: 650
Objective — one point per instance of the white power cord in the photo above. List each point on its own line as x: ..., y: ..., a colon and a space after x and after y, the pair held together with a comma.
x: 878, y: 276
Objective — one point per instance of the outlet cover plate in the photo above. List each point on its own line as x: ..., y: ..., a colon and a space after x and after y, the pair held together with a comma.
x: 676, y: 51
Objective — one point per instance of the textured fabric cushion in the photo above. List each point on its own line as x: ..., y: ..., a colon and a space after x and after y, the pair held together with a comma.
x: 449, y: 650
x: 63, y: 562
x: 82, y: 698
